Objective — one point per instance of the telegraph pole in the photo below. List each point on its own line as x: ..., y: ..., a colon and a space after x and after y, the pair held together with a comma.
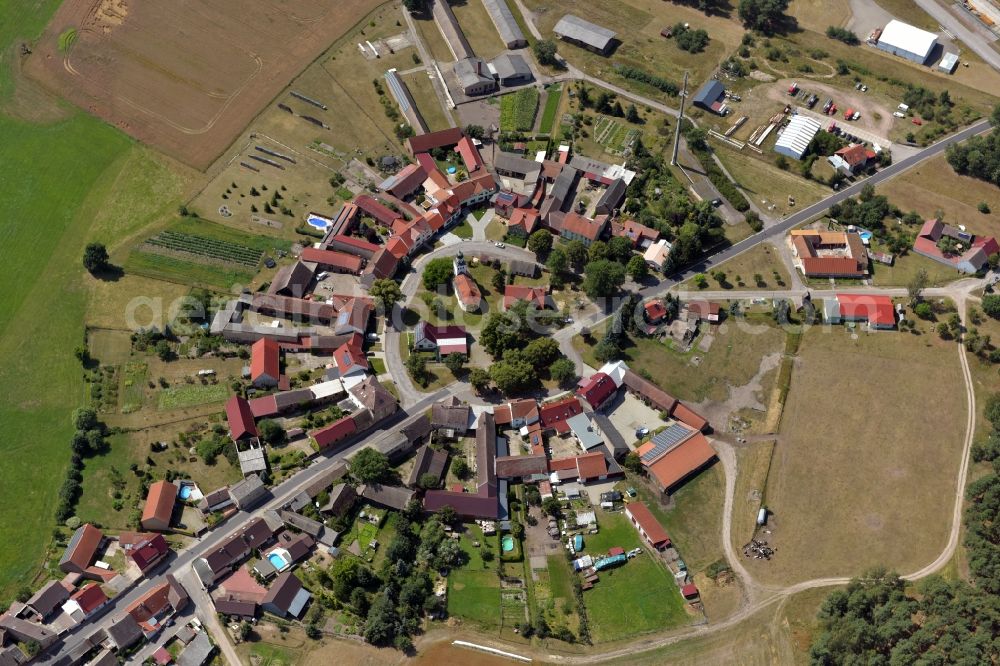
x: 680, y: 121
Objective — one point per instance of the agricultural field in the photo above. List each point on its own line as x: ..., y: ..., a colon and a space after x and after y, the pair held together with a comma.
x: 847, y: 484
x: 553, y: 95
x: 428, y: 105
x: 355, y: 119
x: 201, y: 252
x: 517, y: 110
x: 124, y: 65
x: 478, y: 28
x: 635, y: 598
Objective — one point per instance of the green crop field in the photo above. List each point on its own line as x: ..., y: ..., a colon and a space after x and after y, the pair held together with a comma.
x: 179, y: 397
x: 133, y: 386
x: 47, y: 218
x: 551, y: 108
x: 517, y: 110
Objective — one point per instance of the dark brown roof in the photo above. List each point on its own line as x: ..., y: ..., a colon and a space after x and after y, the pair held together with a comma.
x: 46, y: 600
x: 656, y: 396
x: 450, y: 414
x: 374, y: 396
x: 293, y: 280
x: 512, y: 467
x: 327, y: 479
x: 390, y: 497
x: 486, y: 452
x: 283, y: 590
x: 431, y: 140
x: 230, y: 605
x: 124, y: 631
x: 427, y: 461
x: 82, y: 548
x: 341, y: 497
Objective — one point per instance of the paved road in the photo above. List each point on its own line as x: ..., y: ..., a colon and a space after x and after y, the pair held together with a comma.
x: 972, y: 38
x: 281, y: 494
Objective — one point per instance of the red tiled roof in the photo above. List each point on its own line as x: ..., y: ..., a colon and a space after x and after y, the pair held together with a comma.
x: 704, y: 309
x: 349, y: 355
x: 426, y: 162
x: 524, y: 218
x: 426, y: 142
x: 265, y: 359
x: 397, y: 247
x: 335, y: 432
x: 149, y: 552
x: 353, y: 241
x: 655, y: 310
x: 581, y: 226
x: 90, y: 597
x: 591, y: 465
x: 263, y: 406
x: 407, y: 180
x: 81, y: 550
x: 554, y: 414
x: 855, y: 155
x: 379, y: 211
x: 634, y: 231
x: 680, y: 461
x: 160, y: 502
x: 876, y: 310
x: 689, y: 591
x: 467, y: 290
x: 383, y: 264
x: 333, y: 259
x: 470, y: 154
x: 240, y: 418
x: 821, y: 266
x: 648, y: 522
x: 688, y: 416
x: 513, y: 293
x: 596, y: 389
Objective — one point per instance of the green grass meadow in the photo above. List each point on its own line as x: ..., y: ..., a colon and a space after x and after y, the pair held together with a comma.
x: 58, y: 177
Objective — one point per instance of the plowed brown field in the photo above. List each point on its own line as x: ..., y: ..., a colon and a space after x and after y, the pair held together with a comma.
x: 186, y: 76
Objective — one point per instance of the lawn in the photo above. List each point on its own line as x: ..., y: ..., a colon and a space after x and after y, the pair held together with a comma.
x: 478, y: 28
x: 517, y: 110
x: 474, y: 590
x: 847, y: 482
x: 378, y: 365
x: 762, y: 259
x: 694, y: 523
x: 191, y: 395
x: 269, y: 654
x: 553, y: 95
x: 767, y: 186
x: 905, y: 268
x: 427, y: 102
x: 463, y: 230
x: 733, y: 360
x: 635, y: 598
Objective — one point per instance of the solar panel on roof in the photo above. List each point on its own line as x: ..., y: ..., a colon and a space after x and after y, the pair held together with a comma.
x: 665, y: 440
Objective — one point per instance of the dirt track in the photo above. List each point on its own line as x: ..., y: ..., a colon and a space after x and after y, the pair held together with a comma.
x: 141, y: 66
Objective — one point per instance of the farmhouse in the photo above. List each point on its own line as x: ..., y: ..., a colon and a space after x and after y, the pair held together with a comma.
x: 953, y: 247
x: 704, y: 311
x: 223, y: 559
x: 575, y: 30
x: 286, y: 596
x: 507, y: 27
x: 484, y: 502
x: 574, y: 226
x: 85, y: 602
x: 523, y: 221
x: 265, y: 362
x: 387, y: 497
x: 81, y: 552
x: 452, y: 416
x: 404, y: 183
x: 907, y: 41
x: 596, y: 389
x: 834, y: 254
x: 649, y: 527
x: 533, y: 296
x: 151, y: 609
x: 877, y: 311
x: 159, y: 506
x: 554, y: 415
x: 711, y: 97
x: 444, y: 340
x: 674, y: 454
x: 248, y: 493
x: 517, y: 413
x: 334, y: 260
x: 522, y: 467
x: 428, y: 461
x: 349, y: 359
x: 656, y: 254
x: 293, y: 280
x: 852, y: 159
x: 640, y: 235
x: 474, y: 77
x: 796, y: 137
x: 145, y: 550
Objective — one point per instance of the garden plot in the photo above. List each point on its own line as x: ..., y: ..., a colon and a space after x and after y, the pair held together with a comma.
x: 513, y: 607
x: 201, y: 249
x: 615, y: 136
x: 517, y: 110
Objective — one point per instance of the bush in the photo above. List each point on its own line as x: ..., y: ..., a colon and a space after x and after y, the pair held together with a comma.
x: 843, y: 35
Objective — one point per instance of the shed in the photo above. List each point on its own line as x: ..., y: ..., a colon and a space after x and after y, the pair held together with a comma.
x: 948, y: 63
x: 711, y: 97
x: 575, y: 30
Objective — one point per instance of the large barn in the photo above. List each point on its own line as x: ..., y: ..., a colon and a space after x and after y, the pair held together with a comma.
x: 907, y: 41
x: 798, y: 134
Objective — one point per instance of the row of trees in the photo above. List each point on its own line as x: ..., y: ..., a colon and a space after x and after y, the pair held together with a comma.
x: 88, y: 439
x: 979, y: 156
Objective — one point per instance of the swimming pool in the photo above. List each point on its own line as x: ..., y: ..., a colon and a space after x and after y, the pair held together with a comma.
x: 507, y: 543
x: 185, y: 492
x: 319, y: 222
x: 865, y: 236
x: 277, y: 561
x: 452, y: 169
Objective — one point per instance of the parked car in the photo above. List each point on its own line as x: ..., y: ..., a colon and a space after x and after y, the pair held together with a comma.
x: 857, y: 114
x: 716, y: 202
x: 269, y: 262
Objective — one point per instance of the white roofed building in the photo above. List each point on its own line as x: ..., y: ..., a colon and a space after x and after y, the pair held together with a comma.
x: 798, y: 134
x: 907, y: 41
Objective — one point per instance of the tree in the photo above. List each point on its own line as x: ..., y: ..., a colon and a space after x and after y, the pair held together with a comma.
x: 923, y: 310
x: 557, y: 264
x: 563, y: 371
x: 552, y: 507
x: 475, y: 132
x: 762, y: 15
x: 85, y: 418
x: 607, y: 350
x: 271, y: 432
x: 991, y: 305
x: 633, y: 462
x: 455, y: 363
x: 576, y: 253
x: 696, y: 137
x: 460, y: 468
x: 386, y: 293
x: 437, y: 272
x: 540, y: 242
x: 637, y: 268
x: 620, y: 249
x: 414, y: 6
x: 416, y: 366
x: 545, y: 52
x: 163, y: 350
x: 499, y: 280
x: 542, y: 352
x: 95, y: 258
x: 369, y: 466
x: 603, y: 278
x: 380, y: 626
x: 915, y: 287
x: 632, y: 114
x: 513, y: 376
x: 428, y: 481
x: 479, y: 379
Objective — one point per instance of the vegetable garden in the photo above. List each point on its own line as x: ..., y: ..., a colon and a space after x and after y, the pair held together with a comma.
x: 208, y: 248
x: 517, y: 110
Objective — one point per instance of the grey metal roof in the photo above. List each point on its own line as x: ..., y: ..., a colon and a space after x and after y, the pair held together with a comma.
x: 584, y: 431
x: 503, y: 19
x: 197, y: 651
x: 710, y: 92
x: 509, y: 65
x: 249, y: 487
x: 575, y: 28
x: 507, y: 163
x: 472, y: 71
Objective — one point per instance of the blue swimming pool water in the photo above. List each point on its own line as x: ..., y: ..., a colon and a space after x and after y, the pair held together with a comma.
x: 185, y: 492
x: 318, y: 222
x: 507, y: 543
x: 277, y: 561
x: 865, y: 235
x: 452, y: 169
